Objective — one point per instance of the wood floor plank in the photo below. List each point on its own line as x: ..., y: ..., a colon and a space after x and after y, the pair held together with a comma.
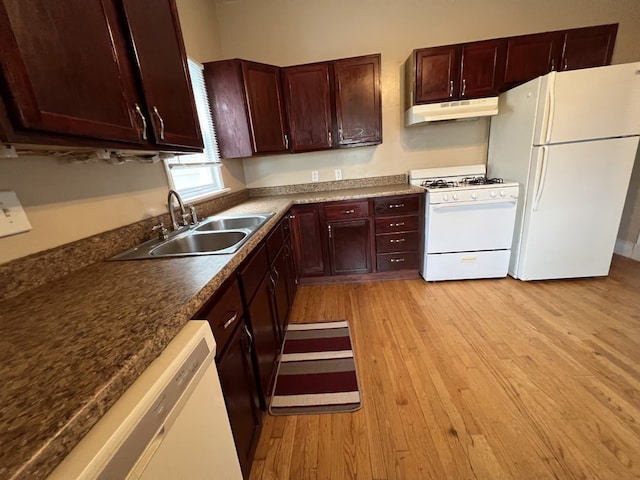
x: 474, y: 380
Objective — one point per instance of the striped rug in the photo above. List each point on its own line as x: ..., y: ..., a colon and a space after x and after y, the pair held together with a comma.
x: 317, y: 371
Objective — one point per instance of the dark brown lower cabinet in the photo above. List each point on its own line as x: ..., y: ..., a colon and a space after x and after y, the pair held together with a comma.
x: 307, y: 234
x: 282, y: 305
x: 266, y: 339
x: 240, y: 394
x: 350, y: 246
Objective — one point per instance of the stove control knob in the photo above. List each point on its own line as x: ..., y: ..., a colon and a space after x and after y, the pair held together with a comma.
x: 493, y: 194
x: 455, y: 196
x: 502, y: 193
x: 474, y: 195
x: 445, y: 197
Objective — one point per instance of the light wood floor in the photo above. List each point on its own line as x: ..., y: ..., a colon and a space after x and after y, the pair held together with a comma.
x: 484, y: 379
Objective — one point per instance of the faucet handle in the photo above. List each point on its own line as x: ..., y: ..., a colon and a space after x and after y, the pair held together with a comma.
x: 163, y: 233
x: 185, y: 216
x: 193, y: 214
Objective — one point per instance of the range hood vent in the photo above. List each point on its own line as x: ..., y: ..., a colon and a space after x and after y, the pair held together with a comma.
x: 455, y: 110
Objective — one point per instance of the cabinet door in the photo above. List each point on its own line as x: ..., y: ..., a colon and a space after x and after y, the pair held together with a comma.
x: 589, y: 47
x: 161, y: 59
x: 530, y: 56
x: 350, y: 246
x: 437, y: 74
x: 482, y: 68
x: 266, y: 342
x: 291, y: 275
x: 68, y: 70
x: 358, y: 100
x: 282, y: 304
x: 308, y: 100
x: 240, y: 395
x: 307, y: 238
x: 265, y: 107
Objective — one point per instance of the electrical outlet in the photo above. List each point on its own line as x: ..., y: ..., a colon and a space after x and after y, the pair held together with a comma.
x: 338, y: 172
x: 12, y: 217
x: 314, y: 175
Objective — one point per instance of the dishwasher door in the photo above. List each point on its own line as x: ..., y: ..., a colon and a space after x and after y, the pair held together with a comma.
x: 171, y: 423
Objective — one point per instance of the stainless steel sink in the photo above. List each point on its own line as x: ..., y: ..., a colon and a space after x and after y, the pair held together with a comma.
x: 233, y: 223
x: 217, y: 235
x: 219, y: 242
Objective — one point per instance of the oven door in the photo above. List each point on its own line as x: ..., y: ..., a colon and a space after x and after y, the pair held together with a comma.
x: 470, y: 226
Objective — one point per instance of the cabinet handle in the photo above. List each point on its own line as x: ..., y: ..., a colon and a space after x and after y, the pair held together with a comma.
x: 228, y: 323
x: 348, y: 212
x: 246, y: 330
x: 286, y: 141
x: 144, y: 121
x: 451, y: 88
x: 340, y: 137
x: 397, y: 260
x: 464, y: 86
x: 273, y: 282
x: 396, y: 205
x: 329, y: 228
x: 275, y: 270
x: 292, y: 217
x: 329, y: 138
x: 399, y: 240
x: 566, y: 65
x: 553, y: 64
x: 157, y: 114
x: 399, y: 224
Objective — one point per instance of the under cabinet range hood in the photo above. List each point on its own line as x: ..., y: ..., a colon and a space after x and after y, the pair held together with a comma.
x: 454, y: 110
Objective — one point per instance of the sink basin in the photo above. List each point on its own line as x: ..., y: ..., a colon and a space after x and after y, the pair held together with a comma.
x: 232, y: 223
x: 218, y: 242
x: 216, y: 235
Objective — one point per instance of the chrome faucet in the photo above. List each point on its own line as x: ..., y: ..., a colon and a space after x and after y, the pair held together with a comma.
x: 183, y: 212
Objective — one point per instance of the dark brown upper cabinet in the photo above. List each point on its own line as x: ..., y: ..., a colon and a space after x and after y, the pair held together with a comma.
x: 247, y: 107
x: 589, y: 47
x: 334, y: 104
x: 307, y: 94
x: 529, y: 56
x: 485, y: 68
x: 109, y: 73
x: 358, y: 100
x: 454, y: 72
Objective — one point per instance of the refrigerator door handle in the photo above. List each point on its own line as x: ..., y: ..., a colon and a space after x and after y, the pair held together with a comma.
x: 541, y: 178
x: 552, y: 105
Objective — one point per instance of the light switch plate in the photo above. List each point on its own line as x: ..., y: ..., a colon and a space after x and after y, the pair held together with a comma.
x: 12, y: 217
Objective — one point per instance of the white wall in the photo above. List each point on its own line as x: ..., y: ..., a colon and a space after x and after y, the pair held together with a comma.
x: 66, y: 202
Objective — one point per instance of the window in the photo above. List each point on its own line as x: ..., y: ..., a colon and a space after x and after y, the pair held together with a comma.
x: 197, y: 176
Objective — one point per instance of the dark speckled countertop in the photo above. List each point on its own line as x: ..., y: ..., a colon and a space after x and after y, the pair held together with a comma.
x: 70, y: 348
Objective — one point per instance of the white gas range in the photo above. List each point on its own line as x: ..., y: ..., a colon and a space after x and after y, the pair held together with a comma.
x: 469, y: 222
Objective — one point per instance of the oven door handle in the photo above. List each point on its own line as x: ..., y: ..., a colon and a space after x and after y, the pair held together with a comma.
x: 497, y: 202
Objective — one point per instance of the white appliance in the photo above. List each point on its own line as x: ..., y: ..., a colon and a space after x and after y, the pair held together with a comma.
x: 468, y: 109
x: 570, y: 140
x: 171, y: 423
x: 469, y: 223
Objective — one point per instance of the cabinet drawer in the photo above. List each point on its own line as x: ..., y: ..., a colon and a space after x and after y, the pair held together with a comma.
x: 397, y: 261
x: 224, y: 313
x: 397, y: 242
x: 346, y: 210
x: 253, y: 271
x: 397, y: 205
x: 397, y: 224
x: 275, y: 240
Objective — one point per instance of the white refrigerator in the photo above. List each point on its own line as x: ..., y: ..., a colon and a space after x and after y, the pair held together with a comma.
x: 570, y: 140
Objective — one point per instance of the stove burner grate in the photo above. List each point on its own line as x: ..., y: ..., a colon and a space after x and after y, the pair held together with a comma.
x: 439, y: 183
x: 481, y: 180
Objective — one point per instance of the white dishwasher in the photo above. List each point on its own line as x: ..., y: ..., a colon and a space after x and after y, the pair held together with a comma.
x: 170, y: 424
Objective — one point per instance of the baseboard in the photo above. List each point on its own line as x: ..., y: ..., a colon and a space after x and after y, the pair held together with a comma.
x: 627, y: 249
